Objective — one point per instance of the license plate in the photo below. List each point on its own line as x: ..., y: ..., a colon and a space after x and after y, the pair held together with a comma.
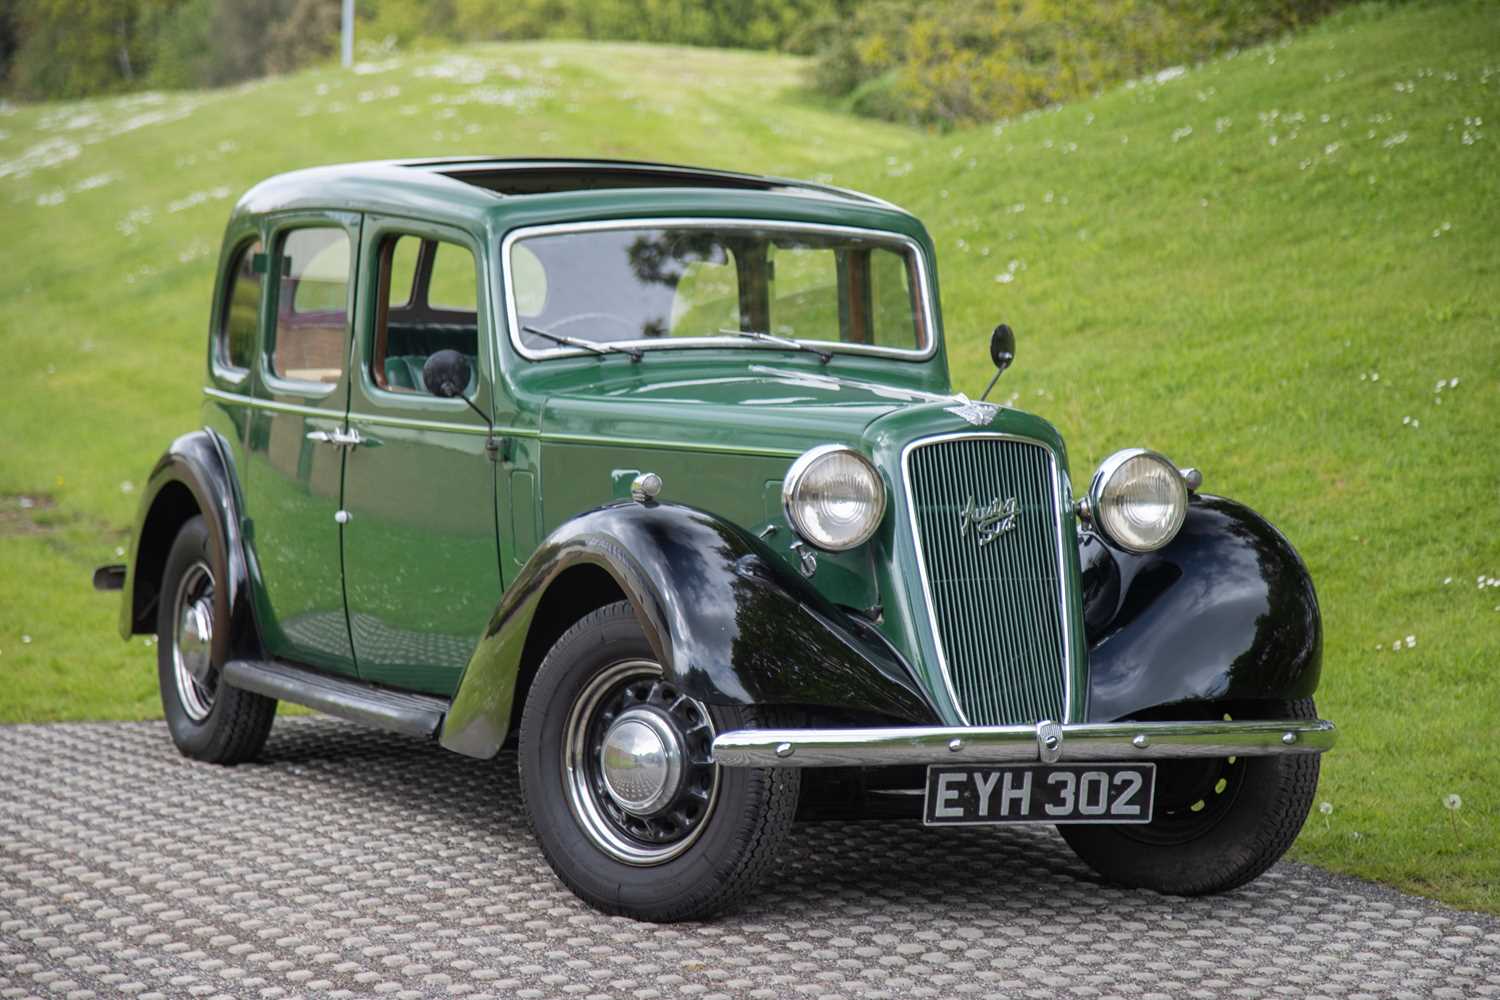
x: 1039, y: 793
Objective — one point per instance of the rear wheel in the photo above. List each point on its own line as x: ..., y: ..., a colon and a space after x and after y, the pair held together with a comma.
x: 209, y: 720
x: 619, y: 785
x: 1217, y: 823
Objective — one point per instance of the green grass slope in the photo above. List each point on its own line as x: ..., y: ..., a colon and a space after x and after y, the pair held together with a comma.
x: 1283, y: 268
x: 114, y: 210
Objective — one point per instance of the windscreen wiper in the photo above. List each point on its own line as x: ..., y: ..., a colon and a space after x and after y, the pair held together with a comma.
x: 771, y: 338
x: 587, y: 345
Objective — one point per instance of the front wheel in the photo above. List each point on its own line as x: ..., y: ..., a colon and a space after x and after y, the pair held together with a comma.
x: 1218, y: 822
x: 620, y: 787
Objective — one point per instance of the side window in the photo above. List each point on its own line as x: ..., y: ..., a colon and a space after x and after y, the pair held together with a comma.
x: 312, y: 312
x: 429, y: 303
x: 896, y: 315
x: 706, y: 300
x: 241, y: 316
x: 452, y: 288
x: 804, y: 293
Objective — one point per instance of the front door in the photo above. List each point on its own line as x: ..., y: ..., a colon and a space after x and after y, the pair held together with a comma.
x: 422, y: 567
x: 294, y: 461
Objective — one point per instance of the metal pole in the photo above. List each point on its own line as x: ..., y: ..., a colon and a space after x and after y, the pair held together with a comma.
x: 348, y: 33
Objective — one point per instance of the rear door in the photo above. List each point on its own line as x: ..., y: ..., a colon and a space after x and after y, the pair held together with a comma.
x: 293, y: 459
x: 422, y: 566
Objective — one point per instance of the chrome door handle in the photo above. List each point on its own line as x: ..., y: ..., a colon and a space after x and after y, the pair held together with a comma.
x: 342, y: 439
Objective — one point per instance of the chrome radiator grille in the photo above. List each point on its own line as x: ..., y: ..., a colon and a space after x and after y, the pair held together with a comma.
x: 984, y: 511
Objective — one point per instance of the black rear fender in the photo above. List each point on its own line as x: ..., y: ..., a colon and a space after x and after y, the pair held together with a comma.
x: 192, y: 477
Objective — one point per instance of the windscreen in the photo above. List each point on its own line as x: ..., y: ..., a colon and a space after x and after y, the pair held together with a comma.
x: 674, y: 285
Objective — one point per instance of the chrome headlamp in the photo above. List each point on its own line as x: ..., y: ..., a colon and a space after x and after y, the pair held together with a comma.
x: 1138, y: 500
x: 833, y: 497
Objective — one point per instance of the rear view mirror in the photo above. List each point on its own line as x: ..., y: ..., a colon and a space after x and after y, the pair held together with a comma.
x: 1002, y: 353
x: 446, y: 374
x: 1002, y: 347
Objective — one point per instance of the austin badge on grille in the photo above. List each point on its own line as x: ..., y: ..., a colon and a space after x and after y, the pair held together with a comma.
x: 989, y: 522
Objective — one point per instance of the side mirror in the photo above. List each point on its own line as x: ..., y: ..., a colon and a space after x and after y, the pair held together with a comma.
x: 1002, y: 353
x: 1003, y: 347
x: 446, y: 374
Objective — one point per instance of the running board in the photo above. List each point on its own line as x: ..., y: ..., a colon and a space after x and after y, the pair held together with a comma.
x: 398, y: 711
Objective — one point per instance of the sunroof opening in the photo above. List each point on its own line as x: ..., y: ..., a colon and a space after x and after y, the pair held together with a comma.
x: 540, y: 179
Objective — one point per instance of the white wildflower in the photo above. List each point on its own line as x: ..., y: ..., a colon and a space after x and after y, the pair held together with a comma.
x: 1452, y: 801
x: 1411, y: 641
x: 25, y: 640
x: 1325, y: 808
x: 1182, y: 133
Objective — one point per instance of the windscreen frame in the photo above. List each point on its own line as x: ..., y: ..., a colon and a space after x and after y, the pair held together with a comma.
x: 925, y: 313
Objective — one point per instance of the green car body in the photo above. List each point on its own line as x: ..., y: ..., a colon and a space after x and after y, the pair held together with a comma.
x: 409, y: 558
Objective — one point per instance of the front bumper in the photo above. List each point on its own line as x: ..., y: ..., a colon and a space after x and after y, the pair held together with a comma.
x: 1047, y: 742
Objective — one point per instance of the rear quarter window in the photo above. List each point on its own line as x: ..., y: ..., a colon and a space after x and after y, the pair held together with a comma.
x: 240, y: 321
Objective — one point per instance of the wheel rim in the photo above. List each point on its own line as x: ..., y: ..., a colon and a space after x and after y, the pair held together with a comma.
x: 1193, y: 796
x: 637, y: 765
x: 193, y: 640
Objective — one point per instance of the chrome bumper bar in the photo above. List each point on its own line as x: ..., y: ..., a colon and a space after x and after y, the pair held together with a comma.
x: 1045, y: 742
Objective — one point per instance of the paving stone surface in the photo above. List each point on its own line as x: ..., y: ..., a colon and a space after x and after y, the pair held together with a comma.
x: 353, y: 863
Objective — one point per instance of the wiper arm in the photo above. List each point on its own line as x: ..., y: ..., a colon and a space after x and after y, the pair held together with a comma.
x: 587, y: 345
x: 771, y: 338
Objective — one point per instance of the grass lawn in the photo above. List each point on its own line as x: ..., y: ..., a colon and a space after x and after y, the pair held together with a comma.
x: 1284, y: 268
x: 1280, y: 267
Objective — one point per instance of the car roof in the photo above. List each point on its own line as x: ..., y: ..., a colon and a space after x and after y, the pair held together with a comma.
x: 461, y: 189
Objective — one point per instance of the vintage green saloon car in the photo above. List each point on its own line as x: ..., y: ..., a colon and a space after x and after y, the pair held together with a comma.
x: 657, y: 473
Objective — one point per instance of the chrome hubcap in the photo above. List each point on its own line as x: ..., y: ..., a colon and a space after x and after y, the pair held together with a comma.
x: 641, y: 761
x: 639, y: 774
x: 192, y: 642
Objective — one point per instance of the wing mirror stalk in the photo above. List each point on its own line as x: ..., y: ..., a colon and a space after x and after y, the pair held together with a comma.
x: 1002, y: 353
x: 446, y: 375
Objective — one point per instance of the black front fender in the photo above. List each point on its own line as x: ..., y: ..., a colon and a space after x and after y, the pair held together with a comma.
x: 1225, y: 612
x: 728, y: 623
x: 194, y: 476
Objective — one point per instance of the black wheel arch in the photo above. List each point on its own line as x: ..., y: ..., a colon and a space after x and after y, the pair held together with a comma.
x: 729, y: 625
x: 1225, y: 612
x: 193, y: 476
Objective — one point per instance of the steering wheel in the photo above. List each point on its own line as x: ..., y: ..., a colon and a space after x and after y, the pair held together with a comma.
x: 632, y: 332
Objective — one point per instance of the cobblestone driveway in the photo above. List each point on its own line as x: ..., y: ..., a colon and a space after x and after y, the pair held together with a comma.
x: 352, y: 863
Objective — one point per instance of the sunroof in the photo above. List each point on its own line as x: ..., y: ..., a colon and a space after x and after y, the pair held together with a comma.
x: 553, y: 178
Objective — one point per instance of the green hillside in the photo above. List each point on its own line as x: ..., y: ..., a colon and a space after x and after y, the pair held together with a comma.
x: 1280, y: 267
x: 1284, y: 268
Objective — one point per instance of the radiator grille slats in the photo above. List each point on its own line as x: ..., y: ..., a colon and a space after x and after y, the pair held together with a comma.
x: 997, y: 606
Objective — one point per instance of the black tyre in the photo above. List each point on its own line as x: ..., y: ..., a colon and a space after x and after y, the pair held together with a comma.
x: 617, y: 781
x: 209, y: 720
x: 1217, y: 824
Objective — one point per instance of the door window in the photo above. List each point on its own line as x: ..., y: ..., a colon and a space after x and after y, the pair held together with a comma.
x: 312, y: 314
x: 429, y: 303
